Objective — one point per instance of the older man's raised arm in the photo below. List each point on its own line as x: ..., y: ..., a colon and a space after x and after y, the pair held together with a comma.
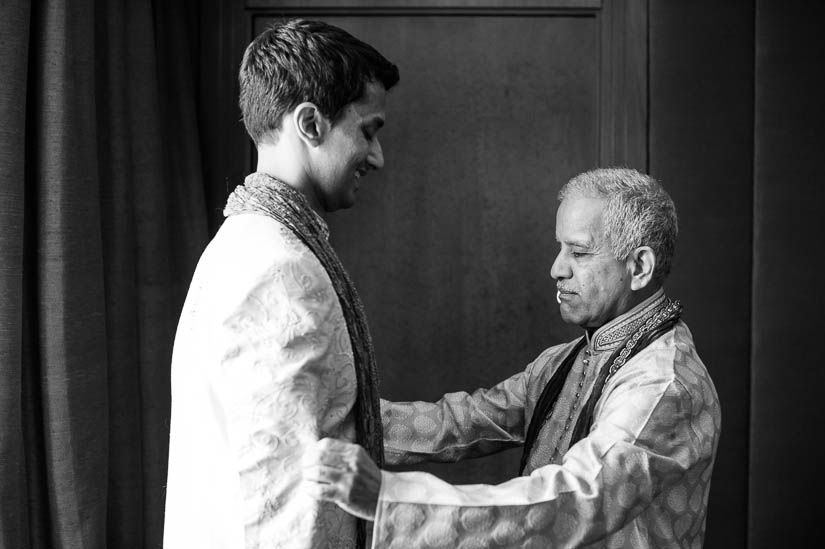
x: 641, y: 474
x: 465, y: 425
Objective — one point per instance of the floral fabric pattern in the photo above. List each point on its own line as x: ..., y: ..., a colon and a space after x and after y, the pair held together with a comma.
x: 641, y: 477
x: 262, y: 366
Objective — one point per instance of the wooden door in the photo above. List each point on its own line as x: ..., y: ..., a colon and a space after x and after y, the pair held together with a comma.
x: 451, y: 243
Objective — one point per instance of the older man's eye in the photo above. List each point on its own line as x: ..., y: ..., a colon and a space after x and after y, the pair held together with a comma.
x: 579, y: 254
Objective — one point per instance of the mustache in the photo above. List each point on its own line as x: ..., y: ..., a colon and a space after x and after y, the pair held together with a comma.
x: 562, y: 290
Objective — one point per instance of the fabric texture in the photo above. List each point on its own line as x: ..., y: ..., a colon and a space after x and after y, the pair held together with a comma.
x: 101, y: 221
x: 266, y: 195
x: 547, y: 401
x: 263, y: 366
x: 657, y: 319
x: 640, y: 478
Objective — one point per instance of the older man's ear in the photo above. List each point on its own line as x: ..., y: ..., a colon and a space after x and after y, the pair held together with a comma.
x: 642, y: 263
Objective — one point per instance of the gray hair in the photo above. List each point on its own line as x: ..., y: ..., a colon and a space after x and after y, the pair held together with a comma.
x: 638, y: 213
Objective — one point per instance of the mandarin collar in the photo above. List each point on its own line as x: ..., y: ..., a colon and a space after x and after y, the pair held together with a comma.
x: 612, y: 334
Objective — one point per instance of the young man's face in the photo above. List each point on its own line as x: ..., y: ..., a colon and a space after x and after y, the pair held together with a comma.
x: 350, y: 149
x: 594, y: 287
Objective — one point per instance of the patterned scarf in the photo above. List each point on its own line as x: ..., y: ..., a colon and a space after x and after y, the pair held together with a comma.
x: 658, y: 321
x: 263, y: 194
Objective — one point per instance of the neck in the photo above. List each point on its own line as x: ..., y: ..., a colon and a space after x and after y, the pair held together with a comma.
x: 285, y: 164
x: 641, y: 295
x: 637, y: 297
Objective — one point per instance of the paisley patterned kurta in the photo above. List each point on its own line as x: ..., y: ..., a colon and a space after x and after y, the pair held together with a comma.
x: 262, y: 367
x: 640, y: 478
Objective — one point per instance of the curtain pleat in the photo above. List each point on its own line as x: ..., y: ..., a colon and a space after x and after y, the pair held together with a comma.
x: 102, y: 220
x: 64, y: 275
x: 121, y: 113
x: 14, y: 31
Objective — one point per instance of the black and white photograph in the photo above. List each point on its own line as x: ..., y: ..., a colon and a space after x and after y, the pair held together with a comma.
x: 411, y: 274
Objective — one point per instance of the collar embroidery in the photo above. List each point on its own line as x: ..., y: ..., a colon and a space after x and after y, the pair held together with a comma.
x: 610, y: 335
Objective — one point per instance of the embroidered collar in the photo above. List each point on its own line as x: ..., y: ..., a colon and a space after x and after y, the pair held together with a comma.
x: 614, y: 332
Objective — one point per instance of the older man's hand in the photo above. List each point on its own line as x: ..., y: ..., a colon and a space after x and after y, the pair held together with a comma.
x: 343, y: 473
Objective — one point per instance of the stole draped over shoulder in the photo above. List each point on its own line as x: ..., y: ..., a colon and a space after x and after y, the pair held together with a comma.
x: 620, y: 430
x: 273, y: 352
x: 266, y: 195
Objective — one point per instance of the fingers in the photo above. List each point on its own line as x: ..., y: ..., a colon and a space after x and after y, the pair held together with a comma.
x: 322, y: 483
x: 342, y: 473
x: 333, y: 453
x: 325, y: 483
x: 323, y: 474
x: 333, y: 445
x: 335, y: 466
x: 327, y: 470
x: 322, y: 491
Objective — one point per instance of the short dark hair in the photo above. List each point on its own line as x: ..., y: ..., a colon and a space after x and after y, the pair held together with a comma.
x: 302, y: 60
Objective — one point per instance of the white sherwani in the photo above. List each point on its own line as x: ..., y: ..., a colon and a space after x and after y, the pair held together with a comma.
x: 262, y: 367
x: 640, y: 479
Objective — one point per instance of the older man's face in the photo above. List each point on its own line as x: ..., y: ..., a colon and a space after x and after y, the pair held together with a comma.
x: 594, y: 287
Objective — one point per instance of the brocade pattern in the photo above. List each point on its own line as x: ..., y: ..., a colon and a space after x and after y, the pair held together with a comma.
x: 262, y: 367
x: 641, y: 477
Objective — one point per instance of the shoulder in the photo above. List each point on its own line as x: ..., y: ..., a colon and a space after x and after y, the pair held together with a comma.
x: 256, y: 239
x: 671, y: 367
x: 663, y: 397
x: 674, y: 357
x: 249, y: 244
x: 256, y: 257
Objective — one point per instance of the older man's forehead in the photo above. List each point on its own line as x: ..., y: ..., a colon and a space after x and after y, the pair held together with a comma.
x: 579, y: 241
x: 579, y: 231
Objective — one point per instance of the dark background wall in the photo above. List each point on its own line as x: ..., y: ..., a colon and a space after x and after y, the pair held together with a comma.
x: 701, y: 148
x: 734, y: 131
x: 736, y: 128
x: 787, y: 375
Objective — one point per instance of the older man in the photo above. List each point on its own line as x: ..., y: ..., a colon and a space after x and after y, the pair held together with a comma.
x: 619, y: 427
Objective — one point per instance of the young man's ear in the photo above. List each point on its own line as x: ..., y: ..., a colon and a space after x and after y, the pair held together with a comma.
x: 310, y: 124
x: 642, y: 262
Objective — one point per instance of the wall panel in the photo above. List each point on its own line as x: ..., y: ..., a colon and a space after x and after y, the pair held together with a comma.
x: 499, y: 103
x: 701, y: 148
x: 451, y: 243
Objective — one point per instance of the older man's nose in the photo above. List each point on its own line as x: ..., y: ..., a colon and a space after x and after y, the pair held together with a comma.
x: 560, y: 268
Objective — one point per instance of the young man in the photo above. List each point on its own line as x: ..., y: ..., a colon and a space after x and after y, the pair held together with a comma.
x: 273, y: 351
x: 619, y: 427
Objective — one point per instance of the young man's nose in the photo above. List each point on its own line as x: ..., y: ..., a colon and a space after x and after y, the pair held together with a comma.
x: 376, y: 155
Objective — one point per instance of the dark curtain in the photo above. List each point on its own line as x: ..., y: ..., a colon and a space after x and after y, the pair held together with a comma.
x: 102, y: 218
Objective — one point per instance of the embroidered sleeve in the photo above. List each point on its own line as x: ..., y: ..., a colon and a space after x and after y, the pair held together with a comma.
x: 650, y: 441
x: 459, y: 425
